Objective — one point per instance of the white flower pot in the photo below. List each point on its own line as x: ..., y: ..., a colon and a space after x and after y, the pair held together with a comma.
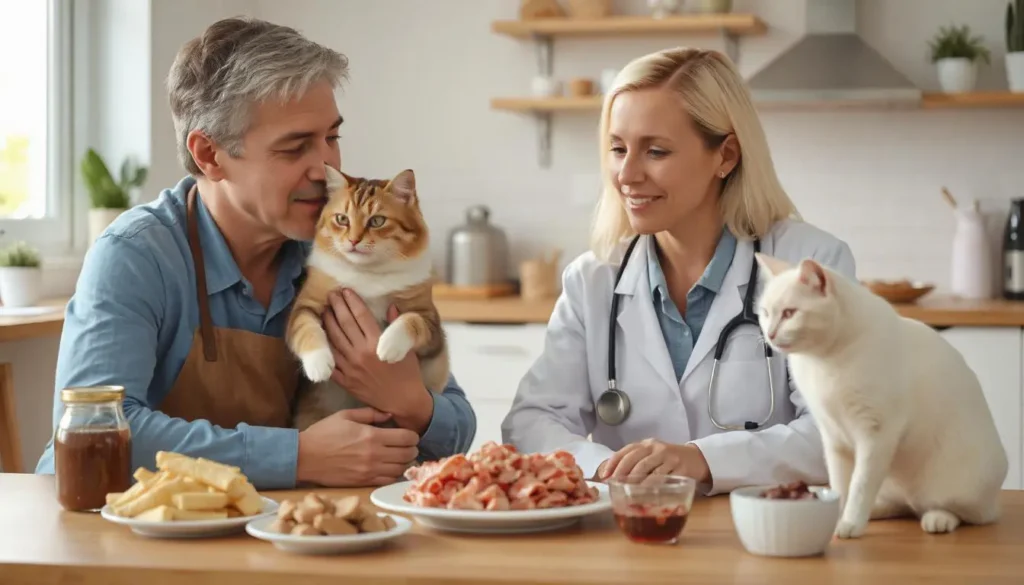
x: 99, y: 219
x: 957, y: 75
x: 20, y: 286
x: 1015, y: 71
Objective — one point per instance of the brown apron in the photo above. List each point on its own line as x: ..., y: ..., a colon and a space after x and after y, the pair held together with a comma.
x: 230, y: 376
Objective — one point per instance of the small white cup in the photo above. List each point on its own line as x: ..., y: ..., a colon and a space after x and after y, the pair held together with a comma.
x: 543, y: 86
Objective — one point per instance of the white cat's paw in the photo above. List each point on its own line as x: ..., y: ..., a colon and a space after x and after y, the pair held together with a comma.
x: 393, y: 345
x: 937, y: 521
x: 847, y: 529
x: 318, y: 364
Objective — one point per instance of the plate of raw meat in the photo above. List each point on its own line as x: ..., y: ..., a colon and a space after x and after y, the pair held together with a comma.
x: 496, y: 489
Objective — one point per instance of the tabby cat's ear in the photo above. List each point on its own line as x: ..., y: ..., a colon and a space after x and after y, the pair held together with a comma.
x: 336, y: 180
x: 403, y: 186
x: 771, y: 265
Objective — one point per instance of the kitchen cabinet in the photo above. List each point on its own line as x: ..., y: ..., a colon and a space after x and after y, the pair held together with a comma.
x: 996, y: 354
x: 489, y: 361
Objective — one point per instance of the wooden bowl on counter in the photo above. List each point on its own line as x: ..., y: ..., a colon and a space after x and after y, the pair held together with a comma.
x: 899, y: 291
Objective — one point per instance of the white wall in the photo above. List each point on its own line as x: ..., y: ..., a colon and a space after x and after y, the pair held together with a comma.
x: 422, y: 77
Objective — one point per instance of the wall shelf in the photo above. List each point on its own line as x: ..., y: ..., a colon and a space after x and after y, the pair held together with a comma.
x: 984, y: 99
x: 542, y: 31
x: 733, y: 24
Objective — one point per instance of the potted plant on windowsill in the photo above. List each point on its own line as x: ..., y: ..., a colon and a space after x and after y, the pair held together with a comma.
x: 21, y: 275
x: 1015, y: 45
x: 108, y: 198
x: 956, y: 54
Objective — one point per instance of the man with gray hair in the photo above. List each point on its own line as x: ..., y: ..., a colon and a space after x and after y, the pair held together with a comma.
x: 184, y: 301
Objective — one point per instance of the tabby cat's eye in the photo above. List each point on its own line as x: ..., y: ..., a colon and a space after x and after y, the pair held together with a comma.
x: 341, y: 219
x: 376, y: 221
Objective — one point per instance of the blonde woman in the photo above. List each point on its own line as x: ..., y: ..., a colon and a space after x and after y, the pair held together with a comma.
x: 690, y: 193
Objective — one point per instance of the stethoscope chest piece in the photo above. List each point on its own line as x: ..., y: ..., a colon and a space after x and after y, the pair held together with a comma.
x: 613, y: 407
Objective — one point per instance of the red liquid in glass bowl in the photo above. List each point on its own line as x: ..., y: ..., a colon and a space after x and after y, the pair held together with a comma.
x: 651, y: 523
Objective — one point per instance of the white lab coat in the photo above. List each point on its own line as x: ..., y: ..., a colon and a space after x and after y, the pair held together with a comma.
x: 554, y: 406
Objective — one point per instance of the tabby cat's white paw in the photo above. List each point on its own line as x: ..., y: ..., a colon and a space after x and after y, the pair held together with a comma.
x: 936, y: 521
x: 847, y: 529
x: 393, y: 344
x: 318, y: 364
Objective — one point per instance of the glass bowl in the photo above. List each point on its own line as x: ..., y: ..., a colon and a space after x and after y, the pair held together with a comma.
x: 652, y: 509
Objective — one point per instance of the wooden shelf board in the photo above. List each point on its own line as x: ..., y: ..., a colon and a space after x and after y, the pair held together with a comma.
x: 931, y: 101
x: 553, y: 104
x: 736, y: 24
x: 984, y: 99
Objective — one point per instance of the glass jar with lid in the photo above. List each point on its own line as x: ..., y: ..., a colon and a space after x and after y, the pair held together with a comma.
x: 92, y: 447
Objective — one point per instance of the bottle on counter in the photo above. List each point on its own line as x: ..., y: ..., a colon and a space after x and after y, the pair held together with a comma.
x: 92, y: 448
x: 1013, y: 252
x: 972, y: 271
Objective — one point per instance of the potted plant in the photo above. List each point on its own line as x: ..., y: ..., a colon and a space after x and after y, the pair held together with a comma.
x: 956, y: 53
x: 1015, y: 45
x: 21, y: 275
x: 108, y: 198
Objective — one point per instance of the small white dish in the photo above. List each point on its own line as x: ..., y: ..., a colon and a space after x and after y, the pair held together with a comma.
x: 784, y: 528
x: 189, y: 528
x: 326, y: 545
x: 489, y: 522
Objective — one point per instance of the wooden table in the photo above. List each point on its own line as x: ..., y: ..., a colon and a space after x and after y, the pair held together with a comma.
x: 40, y: 543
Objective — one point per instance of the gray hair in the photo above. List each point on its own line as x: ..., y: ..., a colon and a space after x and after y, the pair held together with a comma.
x: 236, y: 63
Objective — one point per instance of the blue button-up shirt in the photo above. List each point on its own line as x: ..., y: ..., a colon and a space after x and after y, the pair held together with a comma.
x: 131, y: 323
x: 681, y: 332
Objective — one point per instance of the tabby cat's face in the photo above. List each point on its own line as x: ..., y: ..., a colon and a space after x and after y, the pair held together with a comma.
x: 372, y: 221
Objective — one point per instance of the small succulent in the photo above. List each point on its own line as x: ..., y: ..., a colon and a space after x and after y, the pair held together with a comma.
x: 104, y: 191
x: 953, y: 42
x: 1015, y: 26
x: 21, y: 255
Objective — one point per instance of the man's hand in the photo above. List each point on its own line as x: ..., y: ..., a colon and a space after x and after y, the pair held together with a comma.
x: 653, y: 457
x: 344, y: 450
x: 394, y: 388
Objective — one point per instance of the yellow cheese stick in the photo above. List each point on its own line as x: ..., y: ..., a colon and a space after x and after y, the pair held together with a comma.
x: 158, y: 495
x: 199, y: 514
x: 200, y: 501
x: 157, y: 514
x: 203, y: 470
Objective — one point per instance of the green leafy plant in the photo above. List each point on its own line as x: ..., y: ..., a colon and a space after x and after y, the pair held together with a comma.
x: 104, y: 191
x: 1015, y: 26
x: 953, y: 42
x: 21, y: 255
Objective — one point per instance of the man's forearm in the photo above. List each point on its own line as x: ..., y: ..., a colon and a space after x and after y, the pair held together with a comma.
x: 452, y: 425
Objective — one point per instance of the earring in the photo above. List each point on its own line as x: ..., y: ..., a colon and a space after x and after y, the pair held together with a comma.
x: 721, y: 174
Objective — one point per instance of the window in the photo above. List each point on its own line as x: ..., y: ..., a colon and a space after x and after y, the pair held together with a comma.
x: 35, y: 124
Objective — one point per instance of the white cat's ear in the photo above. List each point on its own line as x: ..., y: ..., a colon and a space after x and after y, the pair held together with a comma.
x: 813, y: 275
x: 773, y: 266
x: 336, y: 180
x: 403, y: 186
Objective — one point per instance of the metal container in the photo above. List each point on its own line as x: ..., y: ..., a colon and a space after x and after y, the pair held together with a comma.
x: 477, y: 251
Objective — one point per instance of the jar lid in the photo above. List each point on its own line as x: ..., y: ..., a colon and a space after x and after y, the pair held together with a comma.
x: 92, y: 394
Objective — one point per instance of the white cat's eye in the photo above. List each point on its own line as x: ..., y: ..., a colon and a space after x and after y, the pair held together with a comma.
x: 787, y: 313
x: 341, y: 219
x: 376, y: 221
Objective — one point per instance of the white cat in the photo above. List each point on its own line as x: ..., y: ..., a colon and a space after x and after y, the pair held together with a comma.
x: 905, y: 427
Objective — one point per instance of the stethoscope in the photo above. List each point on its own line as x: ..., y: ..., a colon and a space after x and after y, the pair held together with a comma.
x: 613, y: 406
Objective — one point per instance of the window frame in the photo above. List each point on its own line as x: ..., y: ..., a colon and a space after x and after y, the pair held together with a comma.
x: 53, y: 234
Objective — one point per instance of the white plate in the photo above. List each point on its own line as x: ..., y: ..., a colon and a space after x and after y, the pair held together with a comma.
x: 489, y: 522
x: 189, y: 528
x: 326, y: 545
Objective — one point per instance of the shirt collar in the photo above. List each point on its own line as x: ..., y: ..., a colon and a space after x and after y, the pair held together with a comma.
x: 221, y: 269
x: 714, y: 273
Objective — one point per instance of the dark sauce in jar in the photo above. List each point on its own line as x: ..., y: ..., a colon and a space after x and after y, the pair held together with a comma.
x: 89, y: 464
x: 655, y: 525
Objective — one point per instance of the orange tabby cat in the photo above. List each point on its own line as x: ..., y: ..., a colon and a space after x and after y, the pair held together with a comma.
x: 371, y: 238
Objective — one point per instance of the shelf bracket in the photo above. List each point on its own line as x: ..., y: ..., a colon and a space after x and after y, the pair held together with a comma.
x: 731, y: 45
x: 545, y: 54
x: 543, y: 139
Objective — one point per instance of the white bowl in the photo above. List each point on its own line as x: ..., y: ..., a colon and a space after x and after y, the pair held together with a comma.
x: 784, y: 528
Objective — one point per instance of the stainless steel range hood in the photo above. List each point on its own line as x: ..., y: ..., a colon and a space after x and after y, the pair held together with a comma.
x: 831, y: 66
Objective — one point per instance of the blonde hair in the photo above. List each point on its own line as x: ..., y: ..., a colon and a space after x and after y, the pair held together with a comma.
x: 716, y: 98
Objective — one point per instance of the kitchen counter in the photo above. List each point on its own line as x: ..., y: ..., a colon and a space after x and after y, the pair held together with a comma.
x: 935, y: 310
x: 43, y: 544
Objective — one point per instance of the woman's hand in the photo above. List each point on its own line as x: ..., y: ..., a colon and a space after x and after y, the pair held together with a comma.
x: 653, y: 457
x: 393, y: 388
